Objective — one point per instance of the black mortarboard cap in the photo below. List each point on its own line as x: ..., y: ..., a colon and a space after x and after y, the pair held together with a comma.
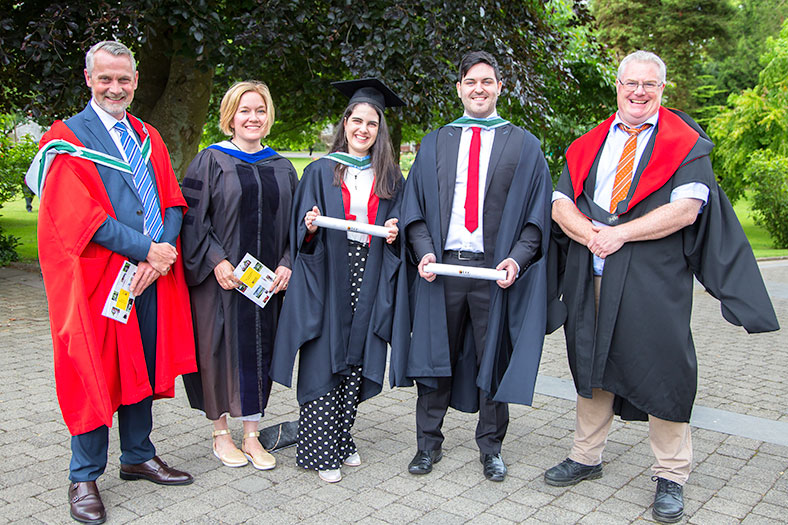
x: 369, y: 90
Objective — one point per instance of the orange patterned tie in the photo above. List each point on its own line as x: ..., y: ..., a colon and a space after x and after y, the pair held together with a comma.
x: 626, y: 165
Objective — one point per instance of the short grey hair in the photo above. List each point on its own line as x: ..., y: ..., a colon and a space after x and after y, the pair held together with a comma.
x: 110, y: 46
x: 644, y: 56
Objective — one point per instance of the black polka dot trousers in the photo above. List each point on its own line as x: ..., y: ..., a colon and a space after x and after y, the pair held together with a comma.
x: 324, y: 439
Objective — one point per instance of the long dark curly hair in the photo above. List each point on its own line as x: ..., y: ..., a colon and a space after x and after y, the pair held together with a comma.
x: 387, y: 173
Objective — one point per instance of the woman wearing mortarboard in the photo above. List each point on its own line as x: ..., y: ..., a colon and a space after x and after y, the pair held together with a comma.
x: 240, y: 194
x: 340, y: 302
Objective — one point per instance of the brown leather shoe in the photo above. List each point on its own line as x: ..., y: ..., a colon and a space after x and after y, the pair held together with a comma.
x: 85, y: 501
x: 157, y: 471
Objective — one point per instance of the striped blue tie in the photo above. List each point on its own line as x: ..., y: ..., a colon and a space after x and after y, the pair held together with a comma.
x: 143, y: 183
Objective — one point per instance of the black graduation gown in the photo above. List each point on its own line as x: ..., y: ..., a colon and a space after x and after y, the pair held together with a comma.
x: 235, y: 207
x: 517, y: 316
x: 640, y: 347
x: 316, y: 316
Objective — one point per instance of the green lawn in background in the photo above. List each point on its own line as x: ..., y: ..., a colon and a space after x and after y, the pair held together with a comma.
x: 760, y: 241
x: 299, y: 163
x: 15, y: 220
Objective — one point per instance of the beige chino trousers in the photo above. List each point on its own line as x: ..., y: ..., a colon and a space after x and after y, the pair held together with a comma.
x: 671, y: 442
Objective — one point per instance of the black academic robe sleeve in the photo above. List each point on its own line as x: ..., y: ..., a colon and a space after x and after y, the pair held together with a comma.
x: 426, y: 355
x: 720, y: 256
x: 393, y: 260
x: 518, y: 317
x: 302, y: 312
x: 556, y: 262
x: 202, y: 249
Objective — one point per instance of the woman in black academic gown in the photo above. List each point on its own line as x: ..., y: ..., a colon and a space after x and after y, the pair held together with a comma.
x: 340, y: 302
x: 240, y: 195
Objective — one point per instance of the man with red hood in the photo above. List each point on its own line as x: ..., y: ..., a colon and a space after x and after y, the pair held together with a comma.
x: 111, y: 197
x: 637, y: 214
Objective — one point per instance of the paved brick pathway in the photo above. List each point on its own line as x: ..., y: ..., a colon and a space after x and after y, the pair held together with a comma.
x: 735, y: 479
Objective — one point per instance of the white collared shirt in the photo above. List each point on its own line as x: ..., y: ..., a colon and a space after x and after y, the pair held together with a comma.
x: 606, y: 173
x: 611, y: 154
x: 109, y: 122
x: 458, y: 237
x: 359, y: 185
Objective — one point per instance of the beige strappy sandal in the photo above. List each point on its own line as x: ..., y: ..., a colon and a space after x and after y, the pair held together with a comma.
x: 260, y: 460
x: 234, y: 458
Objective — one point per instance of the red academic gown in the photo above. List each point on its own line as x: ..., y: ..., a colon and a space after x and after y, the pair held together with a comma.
x: 99, y: 362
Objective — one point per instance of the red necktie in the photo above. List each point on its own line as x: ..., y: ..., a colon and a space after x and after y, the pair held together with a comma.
x: 626, y: 165
x: 472, y: 193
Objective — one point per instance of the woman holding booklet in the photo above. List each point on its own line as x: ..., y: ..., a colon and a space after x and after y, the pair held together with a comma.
x: 340, y: 305
x: 240, y: 196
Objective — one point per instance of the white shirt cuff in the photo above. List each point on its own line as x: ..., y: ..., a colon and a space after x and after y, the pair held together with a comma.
x: 691, y: 190
x: 558, y: 195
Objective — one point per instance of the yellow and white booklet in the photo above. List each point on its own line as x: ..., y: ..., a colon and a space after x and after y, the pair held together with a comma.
x: 256, y: 280
x: 120, y: 299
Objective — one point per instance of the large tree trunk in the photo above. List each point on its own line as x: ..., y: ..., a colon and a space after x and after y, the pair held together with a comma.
x: 173, y: 95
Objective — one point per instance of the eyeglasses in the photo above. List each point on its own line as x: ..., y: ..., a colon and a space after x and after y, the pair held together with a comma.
x: 648, y: 86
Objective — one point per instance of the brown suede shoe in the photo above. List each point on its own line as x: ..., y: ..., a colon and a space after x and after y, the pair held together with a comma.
x: 157, y: 471
x: 85, y: 501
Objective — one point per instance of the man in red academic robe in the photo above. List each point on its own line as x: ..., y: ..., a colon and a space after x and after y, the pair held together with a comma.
x: 640, y: 215
x: 118, y: 201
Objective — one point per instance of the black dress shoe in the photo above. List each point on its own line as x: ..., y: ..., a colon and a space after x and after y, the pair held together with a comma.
x: 668, y: 501
x: 494, y: 468
x: 85, y: 502
x: 157, y: 471
x: 569, y: 472
x: 423, y: 460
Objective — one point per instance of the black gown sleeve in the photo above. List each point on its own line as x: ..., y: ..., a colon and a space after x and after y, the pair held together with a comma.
x: 201, y: 249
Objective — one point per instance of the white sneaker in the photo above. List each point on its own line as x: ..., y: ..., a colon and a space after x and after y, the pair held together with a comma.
x: 353, y: 460
x: 331, y: 476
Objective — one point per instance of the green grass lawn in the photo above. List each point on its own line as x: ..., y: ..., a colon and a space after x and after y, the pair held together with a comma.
x: 298, y: 163
x: 759, y: 239
x: 15, y: 220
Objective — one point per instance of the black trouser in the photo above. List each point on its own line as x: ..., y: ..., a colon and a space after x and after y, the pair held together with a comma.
x: 89, y: 450
x: 467, y: 300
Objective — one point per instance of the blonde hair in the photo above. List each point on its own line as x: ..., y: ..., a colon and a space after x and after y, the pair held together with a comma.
x: 232, y: 99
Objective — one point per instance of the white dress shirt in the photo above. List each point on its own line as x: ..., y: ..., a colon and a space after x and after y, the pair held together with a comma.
x: 359, y: 184
x: 458, y: 237
x: 109, y: 122
x: 606, y: 173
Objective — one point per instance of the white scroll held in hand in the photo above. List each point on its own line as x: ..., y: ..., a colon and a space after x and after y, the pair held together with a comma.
x: 350, y: 226
x: 455, y: 270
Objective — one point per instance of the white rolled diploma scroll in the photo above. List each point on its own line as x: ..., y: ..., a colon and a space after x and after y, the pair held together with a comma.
x: 351, y: 226
x: 455, y: 270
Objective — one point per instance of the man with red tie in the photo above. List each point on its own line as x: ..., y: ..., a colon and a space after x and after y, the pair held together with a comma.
x: 640, y: 214
x: 477, y: 195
